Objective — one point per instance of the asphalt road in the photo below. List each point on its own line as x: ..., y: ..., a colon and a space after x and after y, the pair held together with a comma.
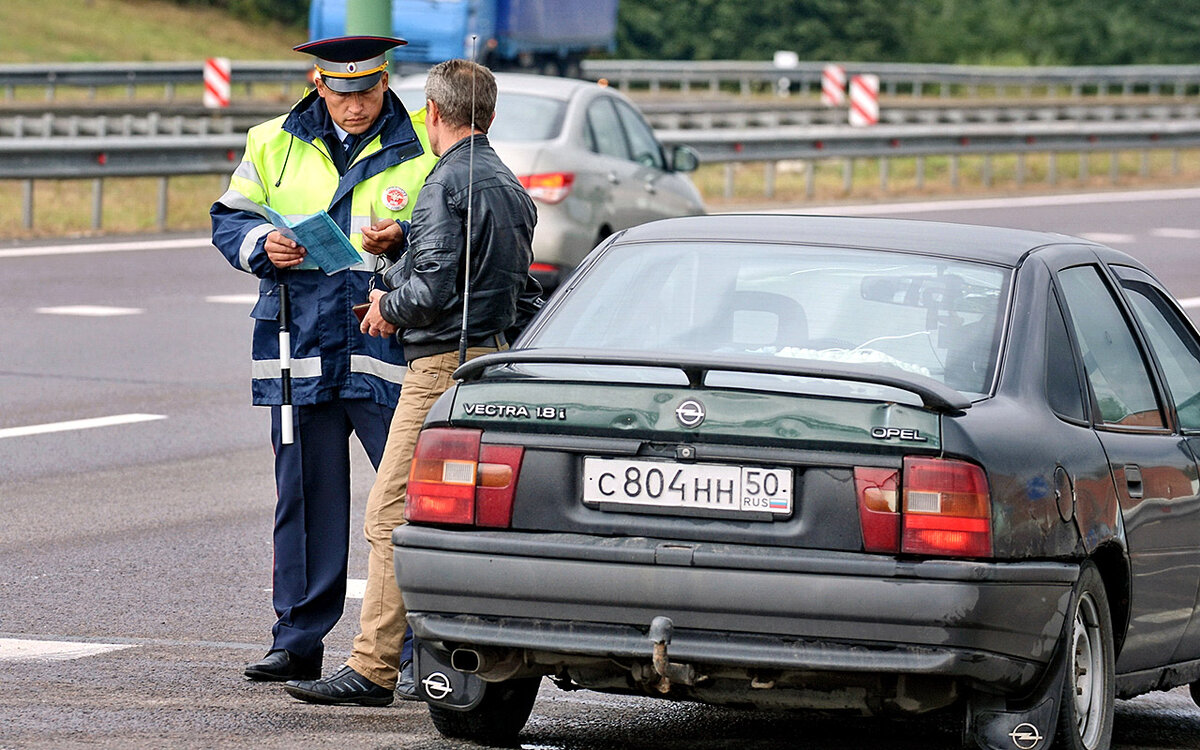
x: 135, y: 554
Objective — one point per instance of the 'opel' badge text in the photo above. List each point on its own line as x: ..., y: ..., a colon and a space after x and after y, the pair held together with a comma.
x: 690, y: 413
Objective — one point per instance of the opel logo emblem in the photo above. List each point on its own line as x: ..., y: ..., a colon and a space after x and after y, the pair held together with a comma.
x: 1025, y: 736
x: 690, y: 413
x: 437, y: 686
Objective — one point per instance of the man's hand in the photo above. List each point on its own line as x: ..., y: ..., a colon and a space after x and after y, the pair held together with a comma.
x: 283, y: 252
x: 382, y: 236
x: 373, y: 323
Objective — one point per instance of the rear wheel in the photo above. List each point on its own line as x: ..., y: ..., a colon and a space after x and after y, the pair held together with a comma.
x: 1196, y: 692
x: 498, y: 718
x: 1085, y: 717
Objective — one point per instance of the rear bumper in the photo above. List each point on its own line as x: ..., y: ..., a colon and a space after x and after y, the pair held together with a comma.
x: 738, y: 606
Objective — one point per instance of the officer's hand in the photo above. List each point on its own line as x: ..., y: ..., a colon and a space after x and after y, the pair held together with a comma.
x: 283, y: 252
x: 373, y: 323
x: 382, y: 236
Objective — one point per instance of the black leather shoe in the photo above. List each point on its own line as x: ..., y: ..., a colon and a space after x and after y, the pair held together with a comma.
x: 344, y: 687
x: 406, y: 688
x: 280, y: 665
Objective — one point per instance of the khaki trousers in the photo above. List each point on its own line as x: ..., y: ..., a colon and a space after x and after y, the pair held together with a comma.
x: 376, y: 653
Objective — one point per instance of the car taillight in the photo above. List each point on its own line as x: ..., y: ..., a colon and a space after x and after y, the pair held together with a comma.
x: 878, y: 508
x: 937, y: 507
x: 456, y: 480
x: 551, y: 187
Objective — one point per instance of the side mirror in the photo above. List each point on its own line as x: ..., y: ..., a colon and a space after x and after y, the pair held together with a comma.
x: 684, y: 159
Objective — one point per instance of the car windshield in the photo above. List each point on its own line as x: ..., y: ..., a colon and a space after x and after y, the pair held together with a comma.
x: 519, y: 117
x: 929, y: 316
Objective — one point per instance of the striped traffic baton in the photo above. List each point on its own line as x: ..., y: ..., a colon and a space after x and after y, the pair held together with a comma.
x: 285, y: 367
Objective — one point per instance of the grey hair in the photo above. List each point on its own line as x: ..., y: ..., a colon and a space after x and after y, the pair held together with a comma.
x: 454, y: 84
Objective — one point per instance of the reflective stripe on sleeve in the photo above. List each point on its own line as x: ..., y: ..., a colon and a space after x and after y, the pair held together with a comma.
x: 377, y: 367
x: 268, y: 369
x: 247, y: 171
x: 249, y: 242
x: 238, y: 202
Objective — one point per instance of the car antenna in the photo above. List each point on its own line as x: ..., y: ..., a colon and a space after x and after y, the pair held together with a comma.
x: 462, y: 338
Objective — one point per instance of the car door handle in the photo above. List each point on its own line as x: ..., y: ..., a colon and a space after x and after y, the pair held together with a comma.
x: 651, y: 189
x: 613, y: 178
x: 1133, y: 480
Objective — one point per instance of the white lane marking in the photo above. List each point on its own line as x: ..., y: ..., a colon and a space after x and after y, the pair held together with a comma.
x: 1108, y: 238
x: 90, y: 311
x: 105, y: 247
x: 1068, y: 199
x: 355, y: 588
x: 232, y: 299
x: 1189, y: 302
x: 1172, y: 233
x: 19, y: 649
x: 78, y: 424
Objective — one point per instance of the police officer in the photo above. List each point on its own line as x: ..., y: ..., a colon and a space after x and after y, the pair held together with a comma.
x: 349, y: 148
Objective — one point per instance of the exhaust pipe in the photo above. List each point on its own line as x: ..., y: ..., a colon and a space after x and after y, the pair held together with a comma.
x: 489, y: 664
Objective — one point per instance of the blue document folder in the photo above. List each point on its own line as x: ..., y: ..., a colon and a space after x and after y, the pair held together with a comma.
x: 327, y: 246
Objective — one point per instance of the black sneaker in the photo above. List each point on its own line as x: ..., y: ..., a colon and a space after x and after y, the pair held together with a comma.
x: 406, y: 688
x: 345, y: 687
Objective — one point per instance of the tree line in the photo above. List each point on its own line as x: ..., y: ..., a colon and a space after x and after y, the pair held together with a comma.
x: 997, y: 32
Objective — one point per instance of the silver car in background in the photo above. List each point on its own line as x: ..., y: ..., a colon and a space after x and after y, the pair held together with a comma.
x: 587, y: 157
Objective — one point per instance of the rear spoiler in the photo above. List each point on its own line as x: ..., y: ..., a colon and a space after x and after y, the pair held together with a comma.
x: 934, y: 395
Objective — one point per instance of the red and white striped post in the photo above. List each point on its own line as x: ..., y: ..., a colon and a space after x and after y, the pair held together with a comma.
x: 217, y: 77
x: 864, y: 100
x: 833, y: 85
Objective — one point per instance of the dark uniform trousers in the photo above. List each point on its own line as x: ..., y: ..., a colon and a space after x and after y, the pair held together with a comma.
x: 312, y: 516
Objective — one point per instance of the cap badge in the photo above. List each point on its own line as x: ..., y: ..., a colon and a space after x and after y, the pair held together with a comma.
x: 395, y: 198
x: 351, y: 67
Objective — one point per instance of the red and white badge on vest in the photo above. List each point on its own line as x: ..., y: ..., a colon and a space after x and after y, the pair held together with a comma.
x: 395, y: 198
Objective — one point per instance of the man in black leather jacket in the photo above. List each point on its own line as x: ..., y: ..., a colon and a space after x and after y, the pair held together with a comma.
x: 425, y: 309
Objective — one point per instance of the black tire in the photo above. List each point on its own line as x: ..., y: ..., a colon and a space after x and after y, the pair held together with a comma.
x: 1196, y: 692
x: 498, y: 718
x: 1085, y: 716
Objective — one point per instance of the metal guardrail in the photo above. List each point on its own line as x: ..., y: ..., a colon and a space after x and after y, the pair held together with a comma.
x: 83, y: 158
x: 32, y: 159
x: 180, y: 145
x: 142, y: 123
x: 708, y: 114
x: 778, y: 144
x: 132, y: 75
x: 895, y: 78
x: 702, y: 114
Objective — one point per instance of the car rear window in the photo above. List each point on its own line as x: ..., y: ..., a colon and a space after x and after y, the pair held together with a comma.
x: 519, y: 117
x: 929, y: 316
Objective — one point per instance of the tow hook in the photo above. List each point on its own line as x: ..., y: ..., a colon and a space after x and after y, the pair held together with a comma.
x: 661, y: 629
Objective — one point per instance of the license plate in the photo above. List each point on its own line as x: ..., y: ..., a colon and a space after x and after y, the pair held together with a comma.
x: 691, y: 489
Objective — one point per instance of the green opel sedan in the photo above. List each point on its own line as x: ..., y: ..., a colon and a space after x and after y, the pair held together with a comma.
x: 804, y: 462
